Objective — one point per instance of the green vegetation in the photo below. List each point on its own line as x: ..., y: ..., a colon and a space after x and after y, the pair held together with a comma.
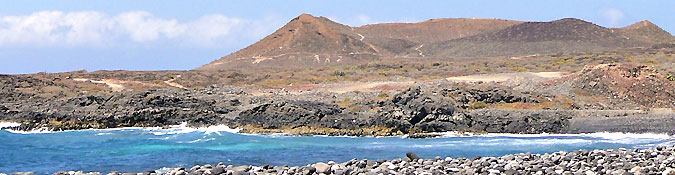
x: 670, y: 77
x: 478, y: 105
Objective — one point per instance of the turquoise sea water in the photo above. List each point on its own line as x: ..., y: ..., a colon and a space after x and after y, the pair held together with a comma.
x: 139, y: 150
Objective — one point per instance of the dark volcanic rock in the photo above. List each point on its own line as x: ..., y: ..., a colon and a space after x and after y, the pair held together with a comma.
x: 518, y: 121
x: 126, y: 109
x: 464, y: 96
x: 412, y: 107
x: 289, y: 114
x: 412, y: 156
x: 415, y: 110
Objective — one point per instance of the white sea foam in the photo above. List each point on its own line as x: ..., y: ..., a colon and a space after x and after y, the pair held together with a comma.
x: 45, y: 130
x: 183, y: 128
x: 609, y: 137
x: 34, y: 131
x: 603, y: 135
x: 170, y: 130
x: 8, y: 124
x: 200, y: 140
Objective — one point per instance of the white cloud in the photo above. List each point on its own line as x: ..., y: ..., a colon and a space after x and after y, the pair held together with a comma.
x: 142, y: 26
x: 364, y: 19
x: 612, y: 15
x: 212, y: 26
x: 46, y: 27
x: 91, y: 28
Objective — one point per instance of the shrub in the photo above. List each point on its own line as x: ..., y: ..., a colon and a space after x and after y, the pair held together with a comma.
x: 522, y: 69
x: 382, y: 96
x: 478, y: 105
x: 670, y: 77
x: 339, y: 73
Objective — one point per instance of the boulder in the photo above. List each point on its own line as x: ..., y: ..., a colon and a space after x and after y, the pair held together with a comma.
x: 322, y: 167
x: 412, y: 156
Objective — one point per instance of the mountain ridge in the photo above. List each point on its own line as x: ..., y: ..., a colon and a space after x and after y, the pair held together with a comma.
x: 305, y: 39
x: 309, y: 41
x: 559, y: 36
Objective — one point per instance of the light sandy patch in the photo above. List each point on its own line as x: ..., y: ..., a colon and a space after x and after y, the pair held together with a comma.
x: 259, y: 58
x: 352, y: 86
x: 662, y: 111
x: 549, y: 74
x: 365, y: 86
x: 174, y: 84
x: 505, y: 76
x: 115, y: 85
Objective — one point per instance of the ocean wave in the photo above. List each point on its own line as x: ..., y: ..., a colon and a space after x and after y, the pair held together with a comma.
x: 8, y: 124
x: 34, y: 131
x: 183, y: 128
x: 45, y: 130
x: 170, y: 130
x: 605, y: 135
x: 200, y: 140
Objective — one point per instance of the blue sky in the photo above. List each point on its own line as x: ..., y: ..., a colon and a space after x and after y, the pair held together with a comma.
x: 57, y: 36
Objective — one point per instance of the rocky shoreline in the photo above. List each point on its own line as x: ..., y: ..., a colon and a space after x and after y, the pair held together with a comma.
x: 415, y: 111
x: 581, y: 103
x: 658, y: 160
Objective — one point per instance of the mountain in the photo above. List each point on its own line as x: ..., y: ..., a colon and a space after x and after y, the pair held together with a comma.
x: 435, y: 30
x: 305, y: 41
x: 406, y: 39
x: 559, y: 36
x: 309, y: 41
x: 646, y: 31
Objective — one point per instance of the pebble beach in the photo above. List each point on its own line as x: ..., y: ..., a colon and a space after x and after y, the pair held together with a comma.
x: 658, y: 160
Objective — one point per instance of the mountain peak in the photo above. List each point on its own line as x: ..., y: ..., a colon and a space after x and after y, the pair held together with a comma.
x: 568, y: 19
x: 304, y: 16
x: 641, y: 24
x: 306, y: 39
x: 571, y: 21
x: 646, y: 31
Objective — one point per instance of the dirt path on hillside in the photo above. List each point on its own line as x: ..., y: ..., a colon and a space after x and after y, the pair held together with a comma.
x: 174, y: 84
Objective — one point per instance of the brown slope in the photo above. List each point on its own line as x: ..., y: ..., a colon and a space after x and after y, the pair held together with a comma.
x: 559, y: 36
x: 305, y: 41
x: 646, y: 31
x: 434, y: 30
x: 621, y: 86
